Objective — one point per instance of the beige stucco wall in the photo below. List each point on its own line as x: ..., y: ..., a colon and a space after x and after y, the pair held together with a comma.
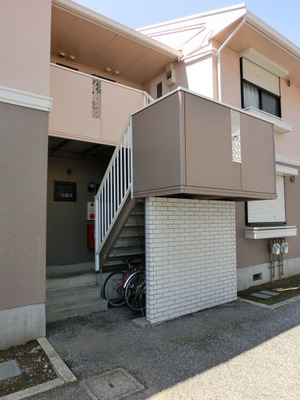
x: 71, y: 114
x: 25, y: 45
x: 289, y: 143
x: 23, y: 176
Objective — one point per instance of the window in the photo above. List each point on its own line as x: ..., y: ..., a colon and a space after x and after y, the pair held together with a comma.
x: 158, y: 87
x: 260, y: 88
x: 268, y: 212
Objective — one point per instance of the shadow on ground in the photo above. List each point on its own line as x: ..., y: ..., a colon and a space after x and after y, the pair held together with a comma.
x: 224, y: 342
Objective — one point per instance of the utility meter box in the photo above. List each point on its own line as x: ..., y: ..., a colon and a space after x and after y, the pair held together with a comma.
x: 91, y: 211
x: 171, y: 78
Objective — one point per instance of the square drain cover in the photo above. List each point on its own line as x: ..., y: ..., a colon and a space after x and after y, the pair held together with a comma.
x: 113, y: 385
x: 9, y: 369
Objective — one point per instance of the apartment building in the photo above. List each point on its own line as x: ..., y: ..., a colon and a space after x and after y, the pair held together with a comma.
x: 203, y: 182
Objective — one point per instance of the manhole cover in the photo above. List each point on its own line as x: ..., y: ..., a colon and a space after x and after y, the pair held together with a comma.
x: 113, y: 385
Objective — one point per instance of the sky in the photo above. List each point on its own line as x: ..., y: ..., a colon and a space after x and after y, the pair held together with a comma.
x: 281, y: 15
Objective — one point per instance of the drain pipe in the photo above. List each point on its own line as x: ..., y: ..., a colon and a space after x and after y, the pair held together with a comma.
x: 272, y: 261
x: 218, y: 54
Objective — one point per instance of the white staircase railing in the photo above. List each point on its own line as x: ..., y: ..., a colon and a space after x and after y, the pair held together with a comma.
x: 115, y: 188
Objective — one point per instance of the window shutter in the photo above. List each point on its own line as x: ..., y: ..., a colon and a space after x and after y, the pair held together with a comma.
x: 268, y: 211
x: 260, y: 77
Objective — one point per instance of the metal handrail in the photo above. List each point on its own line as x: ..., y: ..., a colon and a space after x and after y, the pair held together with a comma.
x: 115, y: 187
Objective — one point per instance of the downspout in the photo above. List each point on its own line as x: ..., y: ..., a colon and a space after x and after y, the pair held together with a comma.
x: 218, y: 54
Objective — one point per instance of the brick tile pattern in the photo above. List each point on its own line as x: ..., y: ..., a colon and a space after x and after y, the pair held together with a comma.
x: 190, y: 256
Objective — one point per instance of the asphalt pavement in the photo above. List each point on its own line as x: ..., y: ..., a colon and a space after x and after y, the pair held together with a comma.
x: 238, y: 351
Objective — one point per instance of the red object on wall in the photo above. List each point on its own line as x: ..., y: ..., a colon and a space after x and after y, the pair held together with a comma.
x: 91, y: 236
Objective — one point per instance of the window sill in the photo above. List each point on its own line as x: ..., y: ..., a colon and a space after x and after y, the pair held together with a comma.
x: 269, y: 232
x: 280, y: 125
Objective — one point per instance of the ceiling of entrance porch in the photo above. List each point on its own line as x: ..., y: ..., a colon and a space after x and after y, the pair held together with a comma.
x: 100, y: 47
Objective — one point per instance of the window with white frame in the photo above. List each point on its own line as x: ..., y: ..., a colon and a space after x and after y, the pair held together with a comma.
x: 158, y: 87
x: 268, y: 212
x: 260, y: 88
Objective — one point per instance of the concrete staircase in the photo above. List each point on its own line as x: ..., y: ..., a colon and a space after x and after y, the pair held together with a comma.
x: 72, y: 290
x: 127, y: 239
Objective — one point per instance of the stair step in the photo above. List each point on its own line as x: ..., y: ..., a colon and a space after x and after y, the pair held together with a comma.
x: 69, y: 295
x: 64, y: 271
x: 72, y: 281
x: 60, y: 312
x: 132, y: 230
x: 129, y: 241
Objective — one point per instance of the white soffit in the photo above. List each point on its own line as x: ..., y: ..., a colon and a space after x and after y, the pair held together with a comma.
x: 114, y: 26
x: 264, y: 62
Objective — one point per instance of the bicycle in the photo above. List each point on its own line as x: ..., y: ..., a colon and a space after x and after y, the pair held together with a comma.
x: 135, y: 291
x: 116, y: 283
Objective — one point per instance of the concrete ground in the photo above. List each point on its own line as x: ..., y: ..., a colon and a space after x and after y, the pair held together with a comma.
x: 236, y: 351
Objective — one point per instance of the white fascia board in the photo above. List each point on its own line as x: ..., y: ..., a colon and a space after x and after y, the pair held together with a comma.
x: 116, y: 27
x: 25, y: 99
x: 286, y: 171
x: 270, y: 232
x: 281, y: 158
x: 189, y: 19
x: 265, y: 29
x: 280, y: 125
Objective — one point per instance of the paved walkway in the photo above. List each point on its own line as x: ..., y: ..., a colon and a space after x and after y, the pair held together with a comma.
x: 236, y: 351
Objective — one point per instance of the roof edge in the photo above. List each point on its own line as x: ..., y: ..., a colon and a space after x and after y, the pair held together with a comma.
x: 115, y: 26
x: 272, y: 34
x: 194, y: 16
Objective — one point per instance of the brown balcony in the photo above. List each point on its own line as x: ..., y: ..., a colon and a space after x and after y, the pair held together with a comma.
x: 190, y: 146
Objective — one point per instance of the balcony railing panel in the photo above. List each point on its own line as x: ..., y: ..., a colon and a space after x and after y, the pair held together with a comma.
x: 88, y: 108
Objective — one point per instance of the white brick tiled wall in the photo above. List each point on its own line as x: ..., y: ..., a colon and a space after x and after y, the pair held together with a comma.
x: 190, y: 256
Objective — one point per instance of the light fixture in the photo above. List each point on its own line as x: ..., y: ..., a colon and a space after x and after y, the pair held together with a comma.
x: 292, y: 178
x: 288, y: 82
x: 72, y: 57
x: 116, y: 72
x: 107, y: 69
x: 92, y: 186
x: 62, y: 54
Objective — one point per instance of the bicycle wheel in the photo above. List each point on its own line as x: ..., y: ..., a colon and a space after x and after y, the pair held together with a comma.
x: 113, y: 288
x: 135, y: 291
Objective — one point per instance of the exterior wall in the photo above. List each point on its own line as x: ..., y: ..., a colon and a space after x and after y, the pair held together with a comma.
x: 23, y: 205
x: 23, y: 166
x: 24, y: 106
x: 253, y: 256
x: 230, y: 77
x: 289, y: 143
x: 199, y: 76
x: 190, y: 256
x: 25, y: 45
x: 67, y: 221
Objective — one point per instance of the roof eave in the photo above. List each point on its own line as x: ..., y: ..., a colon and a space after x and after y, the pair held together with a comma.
x: 116, y: 27
x: 272, y: 34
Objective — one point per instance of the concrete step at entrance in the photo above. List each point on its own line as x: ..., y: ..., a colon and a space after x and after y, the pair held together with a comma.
x: 72, y: 290
x: 70, y: 281
x: 58, y: 312
x: 70, y: 295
